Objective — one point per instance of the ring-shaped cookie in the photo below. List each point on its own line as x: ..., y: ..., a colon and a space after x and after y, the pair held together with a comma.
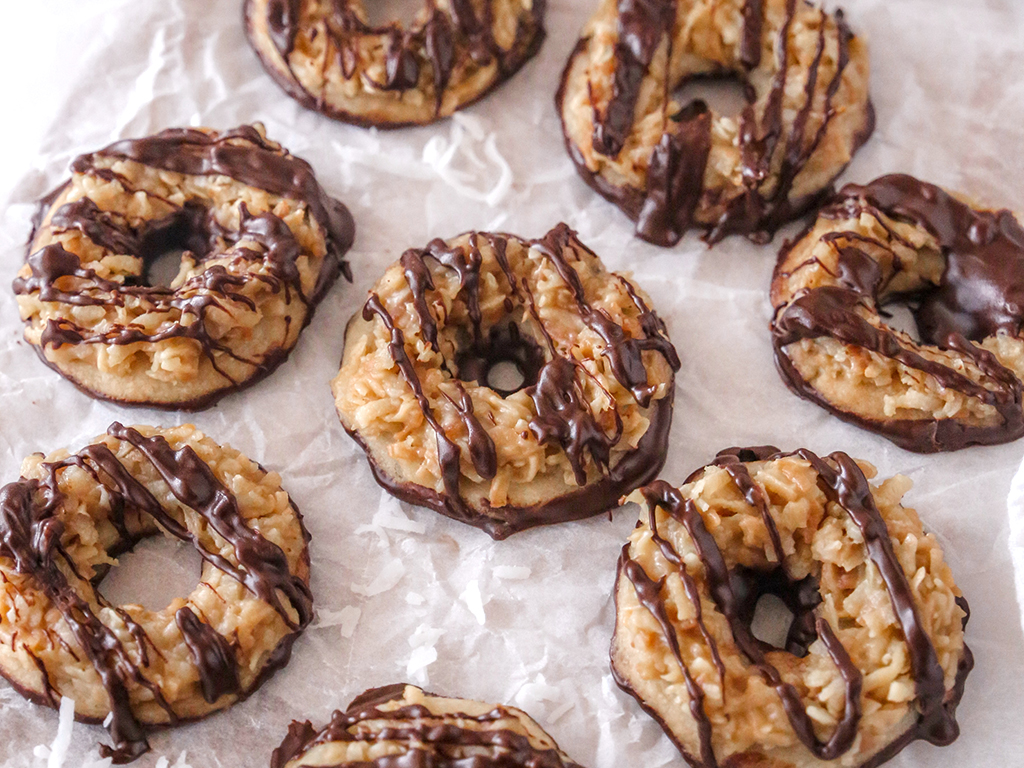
x: 401, y: 725
x: 898, y: 239
x: 63, y: 524
x: 589, y: 421
x: 262, y: 243
x: 672, y: 166
x: 874, y: 657
x: 326, y: 55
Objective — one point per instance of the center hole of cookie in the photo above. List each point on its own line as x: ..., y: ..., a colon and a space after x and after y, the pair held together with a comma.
x: 724, y: 93
x: 504, y: 360
x: 155, y: 572
x: 161, y: 270
x: 900, y: 317
x: 771, y: 621
x: 505, y: 376
x: 778, y: 611
x: 380, y: 13
x: 164, y: 241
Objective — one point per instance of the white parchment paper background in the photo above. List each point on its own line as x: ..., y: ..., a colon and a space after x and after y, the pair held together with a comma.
x: 418, y: 597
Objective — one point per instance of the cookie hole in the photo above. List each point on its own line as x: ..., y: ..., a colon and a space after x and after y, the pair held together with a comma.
x: 155, y: 572
x: 900, y: 317
x: 724, y: 93
x: 165, y: 241
x: 771, y: 622
x: 161, y: 270
x: 381, y: 13
x: 505, y: 376
x: 759, y: 595
x: 504, y: 360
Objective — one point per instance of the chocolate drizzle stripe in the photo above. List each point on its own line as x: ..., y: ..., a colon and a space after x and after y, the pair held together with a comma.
x: 30, y: 533
x: 850, y: 489
x: 642, y: 26
x: 636, y: 468
x: 692, y: 592
x: 448, y: 453
x: 754, y: 496
x: 624, y: 354
x: 212, y: 655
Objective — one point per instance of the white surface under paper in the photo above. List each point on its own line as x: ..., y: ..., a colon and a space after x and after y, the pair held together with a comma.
x: 417, y: 597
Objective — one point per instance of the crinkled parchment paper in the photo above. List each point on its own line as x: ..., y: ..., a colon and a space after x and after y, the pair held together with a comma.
x: 402, y: 593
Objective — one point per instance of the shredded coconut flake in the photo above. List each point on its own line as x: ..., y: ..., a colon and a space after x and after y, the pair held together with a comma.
x: 471, y: 597
x: 347, y: 618
x: 533, y: 697
x: 467, y: 130
x: 415, y: 598
x: 57, y: 752
x: 375, y: 530
x: 516, y: 572
x: 386, y: 579
x: 558, y: 712
x: 391, y: 515
x: 423, y: 652
x: 406, y: 166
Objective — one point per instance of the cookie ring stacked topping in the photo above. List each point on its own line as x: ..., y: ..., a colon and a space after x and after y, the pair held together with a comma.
x: 588, y: 422
x: 874, y: 657
x: 402, y: 725
x: 327, y: 56
x: 62, y: 524
x: 262, y: 243
x: 895, y: 239
x: 670, y: 166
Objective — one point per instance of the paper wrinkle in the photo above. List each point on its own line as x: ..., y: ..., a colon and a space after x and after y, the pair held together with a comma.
x: 950, y: 106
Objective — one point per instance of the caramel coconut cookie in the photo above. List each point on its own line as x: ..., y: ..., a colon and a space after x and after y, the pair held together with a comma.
x: 400, y: 725
x: 327, y: 57
x: 62, y: 526
x: 588, y: 421
x: 874, y: 657
x: 262, y: 244
x: 673, y: 166
x: 899, y: 239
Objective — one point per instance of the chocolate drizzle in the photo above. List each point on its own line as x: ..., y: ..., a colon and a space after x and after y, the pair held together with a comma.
x: 674, y: 199
x: 563, y: 416
x: 844, y: 483
x: 642, y: 26
x: 979, y: 295
x: 428, y: 739
x: 241, y: 154
x: 212, y: 654
x: 30, y: 537
x: 456, y: 39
